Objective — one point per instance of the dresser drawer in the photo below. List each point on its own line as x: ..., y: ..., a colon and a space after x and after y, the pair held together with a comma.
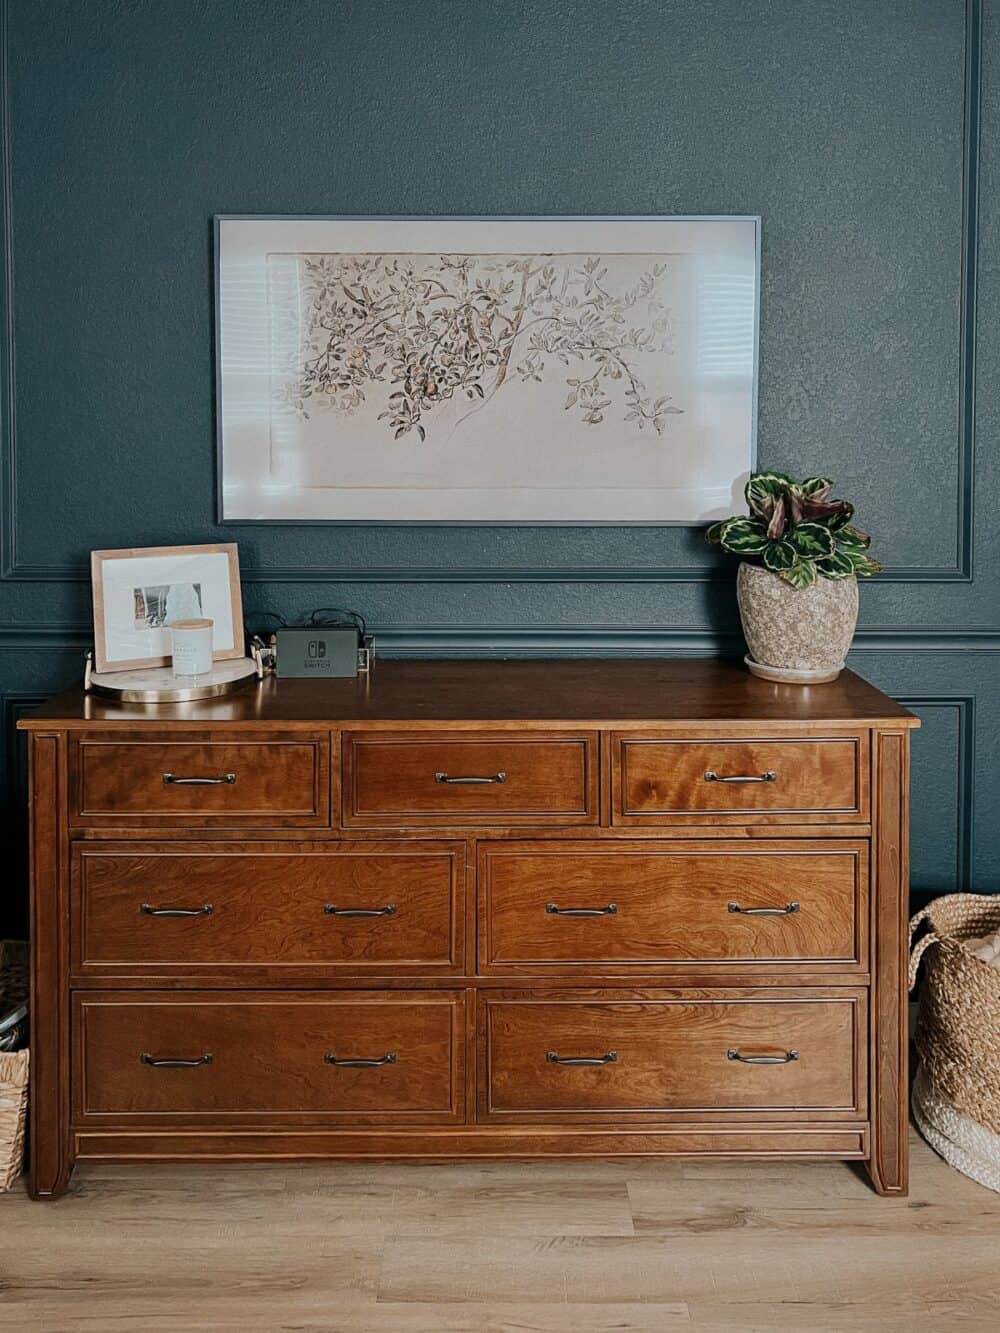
x: 191, y: 781
x: 562, y: 1055
x: 350, y: 907
x: 625, y: 906
x: 357, y: 1054
x: 659, y: 780
x: 470, y: 778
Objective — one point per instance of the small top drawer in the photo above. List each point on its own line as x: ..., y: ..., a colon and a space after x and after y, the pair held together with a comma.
x: 194, y: 781
x: 470, y: 778
x: 659, y: 780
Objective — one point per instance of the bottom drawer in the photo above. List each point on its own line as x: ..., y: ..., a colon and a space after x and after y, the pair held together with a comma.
x: 656, y: 1053
x: 362, y: 1054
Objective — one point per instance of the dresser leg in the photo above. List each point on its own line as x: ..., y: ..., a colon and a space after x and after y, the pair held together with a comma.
x: 47, y: 1179
x: 50, y: 1162
x: 888, y: 1165
x: 888, y: 1186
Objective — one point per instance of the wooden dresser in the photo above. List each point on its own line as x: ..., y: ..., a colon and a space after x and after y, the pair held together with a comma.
x: 472, y: 909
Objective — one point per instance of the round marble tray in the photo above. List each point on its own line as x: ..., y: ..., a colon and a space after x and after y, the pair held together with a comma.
x: 159, y: 685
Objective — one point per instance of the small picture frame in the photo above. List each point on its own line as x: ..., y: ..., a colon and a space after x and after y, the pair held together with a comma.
x: 139, y: 591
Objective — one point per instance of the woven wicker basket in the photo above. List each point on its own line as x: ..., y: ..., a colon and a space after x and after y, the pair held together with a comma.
x: 956, y: 1096
x: 13, y: 1064
x: 13, y: 1115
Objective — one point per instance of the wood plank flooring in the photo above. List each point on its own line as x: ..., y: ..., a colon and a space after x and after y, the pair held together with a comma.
x: 632, y: 1246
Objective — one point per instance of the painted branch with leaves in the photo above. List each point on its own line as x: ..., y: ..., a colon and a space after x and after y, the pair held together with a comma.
x: 458, y: 329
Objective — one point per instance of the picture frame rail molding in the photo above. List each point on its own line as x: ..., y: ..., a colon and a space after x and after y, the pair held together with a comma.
x: 431, y: 574
x: 402, y: 641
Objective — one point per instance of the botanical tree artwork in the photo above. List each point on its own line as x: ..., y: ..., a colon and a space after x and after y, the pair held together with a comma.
x: 412, y: 333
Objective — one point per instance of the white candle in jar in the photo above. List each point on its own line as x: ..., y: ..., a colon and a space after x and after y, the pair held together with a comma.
x: 191, y: 646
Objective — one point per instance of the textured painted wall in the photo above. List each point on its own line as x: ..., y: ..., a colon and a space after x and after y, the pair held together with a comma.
x: 859, y: 131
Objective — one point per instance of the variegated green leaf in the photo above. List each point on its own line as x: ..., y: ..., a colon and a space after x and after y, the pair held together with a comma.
x: 864, y: 566
x: 763, y: 490
x: 743, y: 536
x: 854, y: 537
x: 836, y: 566
x: 779, y: 555
x: 801, y: 575
x: 812, y: 540
x: 714, y: 533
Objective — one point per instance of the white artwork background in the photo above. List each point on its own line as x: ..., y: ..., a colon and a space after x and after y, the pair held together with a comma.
x: 123, y: 641
x: 498, y: 371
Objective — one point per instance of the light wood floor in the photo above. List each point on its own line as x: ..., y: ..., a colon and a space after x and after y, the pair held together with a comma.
x: 583, y: 1246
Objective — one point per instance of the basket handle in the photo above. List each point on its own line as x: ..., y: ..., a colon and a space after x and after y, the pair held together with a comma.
x: 918, y: 950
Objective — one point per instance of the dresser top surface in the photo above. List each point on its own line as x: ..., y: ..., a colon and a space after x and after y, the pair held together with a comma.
x: 597, y: 691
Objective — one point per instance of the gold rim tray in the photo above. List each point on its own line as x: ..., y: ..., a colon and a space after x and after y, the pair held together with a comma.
x: 160, y: 686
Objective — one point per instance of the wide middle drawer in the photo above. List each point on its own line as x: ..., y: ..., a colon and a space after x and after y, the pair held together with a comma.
x: 356, y: 907
x: 627, y: 905
x: 356, y: 1054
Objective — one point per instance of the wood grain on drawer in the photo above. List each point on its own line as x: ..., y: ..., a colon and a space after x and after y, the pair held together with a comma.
x: 627, y: 905
x: 470, y: 778
x: 269, y: 1053
x: 356, y: 907
x: 188, y: 782
x: 661, y: 780
x: 675, y: 1054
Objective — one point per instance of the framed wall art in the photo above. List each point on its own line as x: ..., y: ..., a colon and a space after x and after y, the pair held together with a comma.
x: 486, y: 370
x: 140, y: 591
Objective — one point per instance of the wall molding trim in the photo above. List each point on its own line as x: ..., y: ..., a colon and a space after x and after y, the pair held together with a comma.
x: 14, y: 570
x: 971, y: 151
x: 965, y: 778
x: 402, y: 641
x: 8, y: 423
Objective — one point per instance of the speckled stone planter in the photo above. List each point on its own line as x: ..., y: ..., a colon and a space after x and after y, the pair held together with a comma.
x: 798, y: 635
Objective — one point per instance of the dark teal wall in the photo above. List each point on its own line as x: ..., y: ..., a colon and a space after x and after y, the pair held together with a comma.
x: 860, y: 130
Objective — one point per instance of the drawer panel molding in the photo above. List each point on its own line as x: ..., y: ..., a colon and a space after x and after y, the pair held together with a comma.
x: 195, y: 782
x: 469, y: 779
x: 663, y: 780
x: 558, y: 1055
x: 568, y: 906
x: 354, y: 907
x: 359, y: 1055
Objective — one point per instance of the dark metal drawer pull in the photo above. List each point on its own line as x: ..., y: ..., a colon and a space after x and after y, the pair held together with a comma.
x: 785, y: 1059
x: 469, y: 782
x: 330, y: 1059
x: 610, y: 910
x: 206, y: 909
x: 175, y: 1064
x: 608, y: 1058
x: 225, y: 780
x: 388, y: 910
x: 769, y: 776
x: 787, y: 910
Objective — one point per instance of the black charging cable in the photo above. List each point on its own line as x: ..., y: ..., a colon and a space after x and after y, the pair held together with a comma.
x: 326, y: 617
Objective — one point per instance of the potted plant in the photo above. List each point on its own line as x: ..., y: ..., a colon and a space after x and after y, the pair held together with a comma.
x: 797, y: 584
